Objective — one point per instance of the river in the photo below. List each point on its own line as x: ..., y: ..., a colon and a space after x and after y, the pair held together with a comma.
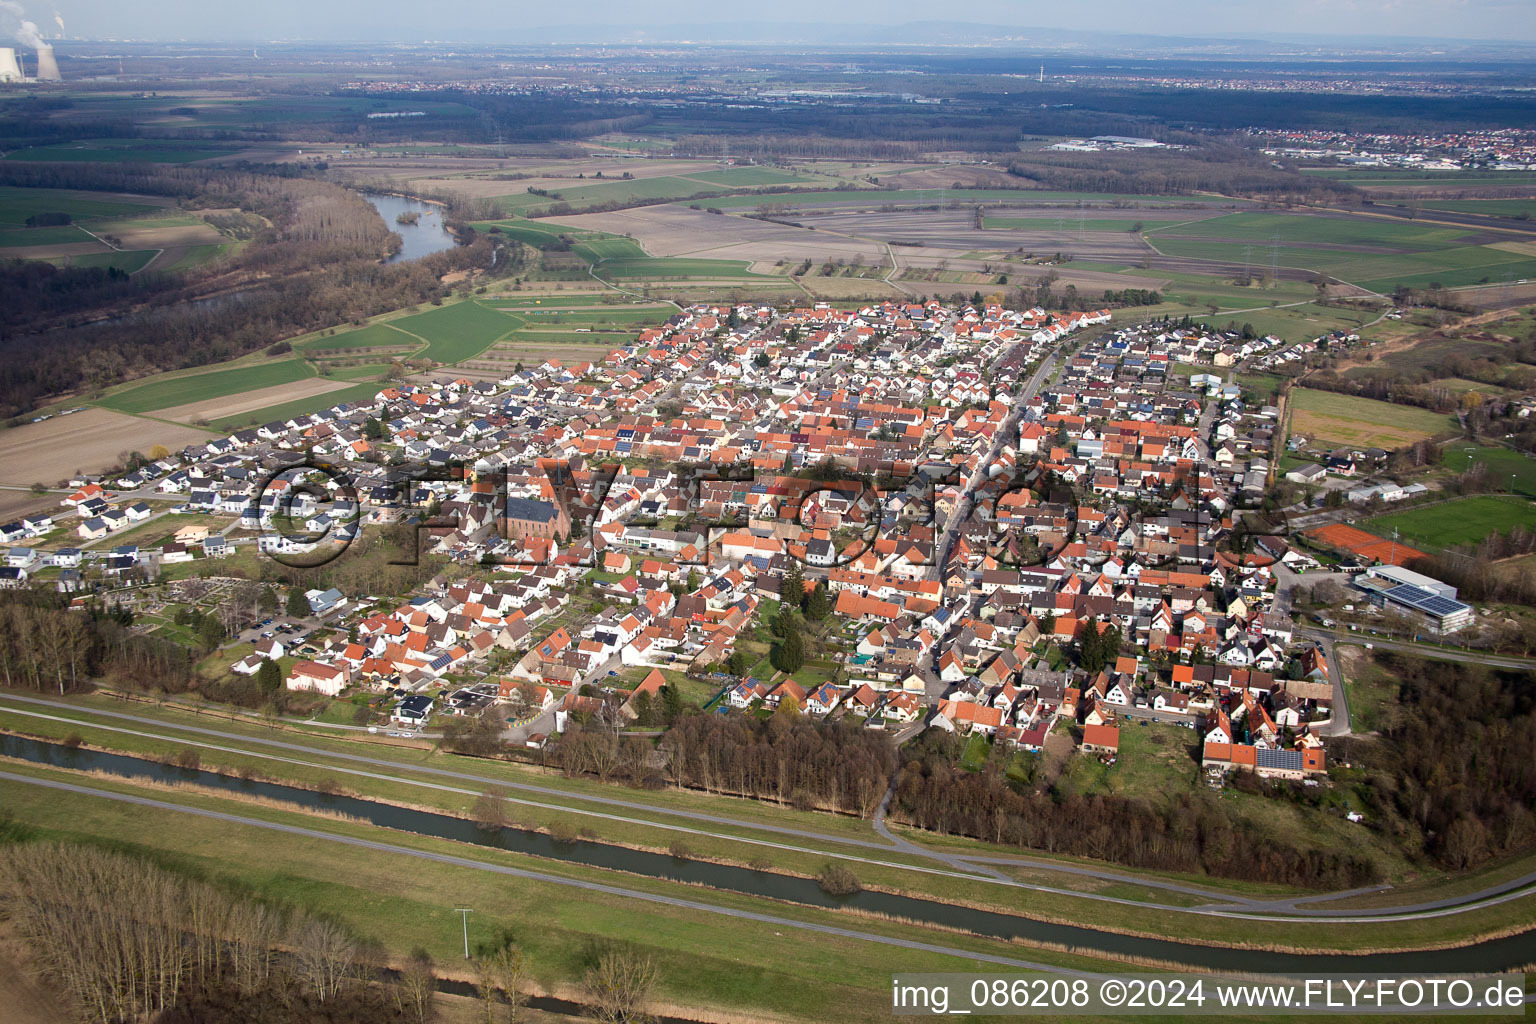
x: 1490, y: 955
x: 423, y: 238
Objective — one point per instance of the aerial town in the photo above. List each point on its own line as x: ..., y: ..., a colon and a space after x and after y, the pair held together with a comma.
x: 1006, y: 522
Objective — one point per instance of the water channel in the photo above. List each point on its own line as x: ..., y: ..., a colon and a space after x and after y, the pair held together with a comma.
x: 1490, y: 955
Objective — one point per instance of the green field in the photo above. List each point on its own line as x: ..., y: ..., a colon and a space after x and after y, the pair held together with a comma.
x: 371, y: 336
x: 678, y: 267
x: 1465, y: 521
x: 1484, y: 207
x: 118, y: 151
x: 197, y: 387
x: 356, y: 393
x: 1506, y: 467
x: 617, y: 248
x: 132, y: 261
x: 748, y: 177
x: 1329, y: 418
x: 18, y: 237
x: 458, y: 331
x: 17, y: 204
x: 1260, y: 228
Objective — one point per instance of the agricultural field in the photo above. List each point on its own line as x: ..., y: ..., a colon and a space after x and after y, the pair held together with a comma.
x: 298, y: 406
x: 1375, y: 253
x: 107, y: 230
x: 378, y: 336
x: 88, y: 441
x: 17, y: 204
x: 226, y: 407
x: 170, y: 392
x: 749, y: 177
x: 674, y: 269
x: 119, y: 151
x: 1453, y: 523
x: 458, y: 331
x: 1328, y: 419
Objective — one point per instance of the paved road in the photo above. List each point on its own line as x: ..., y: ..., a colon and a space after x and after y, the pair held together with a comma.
x: 1227, y: 905
x: 1421, y: 650
x: 539, y: 876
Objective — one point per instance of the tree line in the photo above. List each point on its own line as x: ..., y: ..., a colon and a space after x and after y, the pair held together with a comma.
x: 46, y: 646
x: 1190, y: 832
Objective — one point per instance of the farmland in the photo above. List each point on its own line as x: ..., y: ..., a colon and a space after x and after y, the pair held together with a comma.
x: 88, y: 441
x: 107, y: 230
x: 118, y: 151
x: 1328, y: 419
x: 181, y: 390
x: 1465, y: 521
x: 457, y: 331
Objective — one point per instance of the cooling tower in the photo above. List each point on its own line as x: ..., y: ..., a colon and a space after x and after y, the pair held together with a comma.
x: 10, y: 70
x: 47, y: 67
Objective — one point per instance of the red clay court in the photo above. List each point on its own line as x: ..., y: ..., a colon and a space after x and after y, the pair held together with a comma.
x: 1366, y: 545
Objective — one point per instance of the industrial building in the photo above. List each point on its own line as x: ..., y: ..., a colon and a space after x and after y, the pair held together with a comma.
x: 1422, y: 598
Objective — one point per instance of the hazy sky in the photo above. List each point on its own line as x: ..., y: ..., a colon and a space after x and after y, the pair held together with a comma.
x: 495, y: 22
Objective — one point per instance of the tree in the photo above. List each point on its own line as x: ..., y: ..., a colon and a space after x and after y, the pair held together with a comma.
x: 789, y: 655
x: 210, y: 632
x: 491, y: 812
x: 693, y: 581
x: 819, y: 606
x: 671, y: 703
x: 374, y: 430
x: 298, y: 605
x: 414, y: 989
x: 792, y: 592
x: 788, y: 707
x: 269, y: 676
x: 619, y: 985
x: 1089, y: 653
x: 1110, y: 642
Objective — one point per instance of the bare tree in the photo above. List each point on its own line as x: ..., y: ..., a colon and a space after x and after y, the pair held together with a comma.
x: 619, y: 986
x: 414, y: 990
x: 325, y: 955
x: 491, y: 811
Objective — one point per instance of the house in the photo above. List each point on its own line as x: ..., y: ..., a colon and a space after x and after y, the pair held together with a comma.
x: 1101, y: 739
x: 412, y: 710
x: 316, y: 676
x: 323, y: 602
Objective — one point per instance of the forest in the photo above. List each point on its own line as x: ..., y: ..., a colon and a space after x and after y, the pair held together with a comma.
x: 47, y: 647
x: 317, y: 267
x: 1454, y: 770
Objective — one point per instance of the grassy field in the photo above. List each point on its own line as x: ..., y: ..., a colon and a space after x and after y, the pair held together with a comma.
x: 118, y: 151
x: 196, y: 387
x: 678, y: 267
x: 1506, y: 468
x: 1465, y: 521
x: 458, y: 331
x: 1290, y: 229
x: 930, y: 196
x: 132, y: 260
x: 356, y: 393
x: 380, y: 335
x: 17, y: 204
x: 1327, y: 418
x: 749, y: 177
x: 1484, y: 207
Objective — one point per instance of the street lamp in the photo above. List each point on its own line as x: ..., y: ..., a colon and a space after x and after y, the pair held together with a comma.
x: 464, y: 912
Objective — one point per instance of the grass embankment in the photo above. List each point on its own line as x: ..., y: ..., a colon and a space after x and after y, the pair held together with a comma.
x: 652, y: 828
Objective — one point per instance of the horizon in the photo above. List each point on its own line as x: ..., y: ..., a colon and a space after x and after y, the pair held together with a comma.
x: 1459, y: 22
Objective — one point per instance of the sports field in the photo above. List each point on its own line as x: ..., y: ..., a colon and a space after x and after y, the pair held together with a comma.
x: 1327, y: 419
x: 1506, y: 468
x: 1372, y: 548
x: 196, y: 387
x: 1465, y: 521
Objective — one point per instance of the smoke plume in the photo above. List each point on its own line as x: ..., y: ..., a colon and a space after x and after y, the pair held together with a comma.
x: 13, y: 22
x: 60, y: 19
